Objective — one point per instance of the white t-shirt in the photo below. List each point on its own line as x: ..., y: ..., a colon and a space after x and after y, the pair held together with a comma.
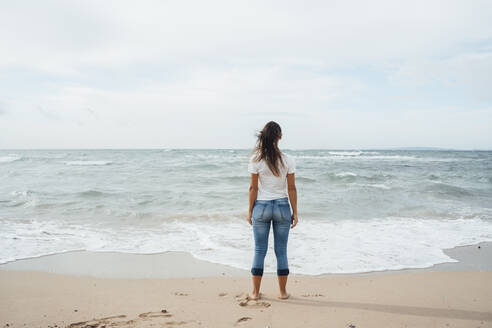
x: 269, y: 185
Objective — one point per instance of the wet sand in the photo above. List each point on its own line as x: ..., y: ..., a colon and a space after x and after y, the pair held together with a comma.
x: 184, y: 265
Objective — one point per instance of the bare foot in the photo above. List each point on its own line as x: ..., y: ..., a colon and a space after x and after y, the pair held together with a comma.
x: 254, y: 296
x: 284, y: 296
x: 244, y: 299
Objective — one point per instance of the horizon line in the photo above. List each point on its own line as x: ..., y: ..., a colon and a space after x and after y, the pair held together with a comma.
x: 294, y: 149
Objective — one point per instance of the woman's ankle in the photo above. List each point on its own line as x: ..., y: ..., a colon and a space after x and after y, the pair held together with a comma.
x: 255, y: 295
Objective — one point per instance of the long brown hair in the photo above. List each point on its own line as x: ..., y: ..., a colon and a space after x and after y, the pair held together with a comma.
x: 267, y: 146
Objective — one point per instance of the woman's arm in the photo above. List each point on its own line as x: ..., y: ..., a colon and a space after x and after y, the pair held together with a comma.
x: 253, y: 193
x: 291, y: 186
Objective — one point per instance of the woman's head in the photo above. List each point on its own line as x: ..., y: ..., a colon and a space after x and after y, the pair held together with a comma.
x: 267, y: 146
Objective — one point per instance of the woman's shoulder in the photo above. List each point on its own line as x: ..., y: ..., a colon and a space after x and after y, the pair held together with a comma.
x: 290, y: 163
x: 253, y: 158
x: 287, y: 156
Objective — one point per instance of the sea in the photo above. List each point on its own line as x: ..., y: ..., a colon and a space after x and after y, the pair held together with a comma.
x: 359, y: 210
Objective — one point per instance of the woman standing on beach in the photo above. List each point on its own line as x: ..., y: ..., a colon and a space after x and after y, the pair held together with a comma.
x: 272, y: 185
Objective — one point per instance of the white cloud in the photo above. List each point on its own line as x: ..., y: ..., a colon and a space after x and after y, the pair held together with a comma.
x: 467, y: 73
x: 206, y: 74
x: 66, y: 36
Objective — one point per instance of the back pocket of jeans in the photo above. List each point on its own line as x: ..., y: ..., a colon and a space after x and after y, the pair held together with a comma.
x: 285, y: 211
x: 258, y: 210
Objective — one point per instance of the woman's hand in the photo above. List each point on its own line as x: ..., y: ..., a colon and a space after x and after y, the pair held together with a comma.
x: 249, y: 219
x: 293, y: 221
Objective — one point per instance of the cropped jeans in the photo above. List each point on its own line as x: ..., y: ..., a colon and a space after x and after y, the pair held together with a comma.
x: 274, y: 212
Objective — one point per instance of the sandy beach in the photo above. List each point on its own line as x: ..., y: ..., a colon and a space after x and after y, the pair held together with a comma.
x: 211, y: 295
x: 156, y: 157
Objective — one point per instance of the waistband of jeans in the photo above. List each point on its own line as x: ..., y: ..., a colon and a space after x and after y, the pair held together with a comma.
x: 273, y: 201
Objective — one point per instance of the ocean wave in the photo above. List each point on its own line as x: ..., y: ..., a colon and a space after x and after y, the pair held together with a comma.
x: 374, y: 185
x: 10, y: 158
x: 346, y: 174
x: 433, y: 177
x: 392, y: 157
x: 88, y: 162
x: 340, y: 177
x: 92, y: 193
x: 345, y: 153
x: 24, y: 198
x: 305, y: 179
x: 447, y: 190
x: 321, y: 246
x: 23, y: 193
x: 351, y: 153
x: 358, y: 157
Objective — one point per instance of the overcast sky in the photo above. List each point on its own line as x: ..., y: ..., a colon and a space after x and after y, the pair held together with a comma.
x: 209, y: 74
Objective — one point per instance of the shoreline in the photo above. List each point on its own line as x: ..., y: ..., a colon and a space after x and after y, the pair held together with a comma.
x: 109, y: 264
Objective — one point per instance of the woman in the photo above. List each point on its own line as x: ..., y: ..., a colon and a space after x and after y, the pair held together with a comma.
x: 272, y: 185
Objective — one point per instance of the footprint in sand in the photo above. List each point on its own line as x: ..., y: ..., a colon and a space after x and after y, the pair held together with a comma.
x: 102, y: 322
x: 222, y: 294
x: 114, y: 322
x: 243, y: 319
x: 162, y: 314
x: 180, y: 294
x: 176, y: 323
x: 244, y: 300
x: 313, y: 295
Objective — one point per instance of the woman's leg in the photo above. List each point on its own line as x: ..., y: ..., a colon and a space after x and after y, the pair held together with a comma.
x: 281, y: 230
x: 282, y: 283
x: 255, y: 294
x: 261, y: 230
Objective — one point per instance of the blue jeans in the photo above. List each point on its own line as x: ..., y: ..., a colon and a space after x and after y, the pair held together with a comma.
x: 277, y: 212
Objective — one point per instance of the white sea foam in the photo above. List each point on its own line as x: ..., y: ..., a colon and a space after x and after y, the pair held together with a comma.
x: 359, y: 157
x: 392, y: 157
x: 88, y: 162
x: 315, y: 246
x: 9, y: 158
x: 26, y: 198
x: 23, y: 193
x: 346, y: 174
x: 373, y: 185
x: 345, y: 153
